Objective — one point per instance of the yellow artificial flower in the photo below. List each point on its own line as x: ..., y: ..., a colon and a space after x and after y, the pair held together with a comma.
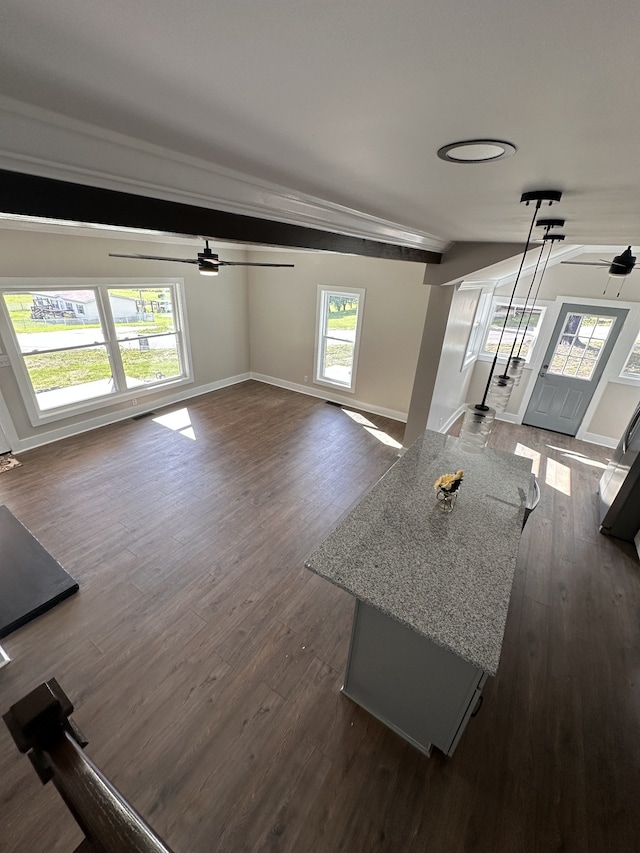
x: 449, y: 482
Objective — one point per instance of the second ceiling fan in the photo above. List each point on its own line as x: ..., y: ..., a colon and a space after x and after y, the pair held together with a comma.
x: 619, y: 267
x: 208, y: 262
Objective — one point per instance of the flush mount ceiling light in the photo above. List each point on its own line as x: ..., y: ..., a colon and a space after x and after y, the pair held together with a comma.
x: 476, y: 151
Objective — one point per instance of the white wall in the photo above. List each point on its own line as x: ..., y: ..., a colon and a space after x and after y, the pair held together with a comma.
x: 452, y: 383
x: 282, y: 325
x: 216, y: 312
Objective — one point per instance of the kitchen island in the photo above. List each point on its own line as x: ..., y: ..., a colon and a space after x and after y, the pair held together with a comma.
x: 432, y: 589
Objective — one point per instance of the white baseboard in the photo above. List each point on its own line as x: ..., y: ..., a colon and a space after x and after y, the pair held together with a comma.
x: 594, y: 438
x: 331, y: 396
x: 446, y: 426
x: 4, y: 658
x: 508, y: 417
x: 185, y: 393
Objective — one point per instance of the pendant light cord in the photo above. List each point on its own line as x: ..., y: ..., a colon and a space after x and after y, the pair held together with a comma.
x: 483, y: 404
x: 524, y: 311
x: 533, y: 304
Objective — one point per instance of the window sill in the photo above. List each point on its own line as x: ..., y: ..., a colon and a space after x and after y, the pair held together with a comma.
x: 625, y: 380
x: 483, y: 356
x: 348, y: 388
x: 41, y: 418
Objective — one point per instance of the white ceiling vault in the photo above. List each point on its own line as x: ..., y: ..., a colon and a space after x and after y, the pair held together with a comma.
x: 331, y: 113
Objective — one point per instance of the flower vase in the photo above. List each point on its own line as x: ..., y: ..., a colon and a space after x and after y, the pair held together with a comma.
x: 446, y: 500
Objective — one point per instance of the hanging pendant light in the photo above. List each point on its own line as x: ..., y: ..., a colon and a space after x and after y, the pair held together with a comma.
x: 478, y: 419
x: 515, y: 365
x: 550, y: 239
x: 476, y: 426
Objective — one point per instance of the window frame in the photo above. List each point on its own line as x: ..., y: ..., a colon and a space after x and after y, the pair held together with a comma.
x: 477, y: 329
x: 630, y: 378
x: 101, y: 286
x: 322, y: 312
x: 487, y: 355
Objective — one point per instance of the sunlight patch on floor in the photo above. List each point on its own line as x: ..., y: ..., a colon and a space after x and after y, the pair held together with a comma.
x: 558, y: 476
x: 578, y: 457
x: 372, y: 429
x: 529, y: 453
x: 178, y: 421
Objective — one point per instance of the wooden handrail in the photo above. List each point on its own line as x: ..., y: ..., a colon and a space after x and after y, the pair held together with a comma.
x: 40, y: 726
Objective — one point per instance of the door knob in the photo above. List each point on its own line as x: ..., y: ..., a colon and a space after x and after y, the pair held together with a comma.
x: 543, y: 372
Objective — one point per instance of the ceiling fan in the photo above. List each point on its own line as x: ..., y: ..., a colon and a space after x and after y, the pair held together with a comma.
x: 208, y: 262
x: 619, y: 267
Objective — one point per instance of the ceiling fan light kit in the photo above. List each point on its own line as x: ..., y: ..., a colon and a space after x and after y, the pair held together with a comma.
x: 622, y: 264
x: 620, y: 267
x: 208, y: 269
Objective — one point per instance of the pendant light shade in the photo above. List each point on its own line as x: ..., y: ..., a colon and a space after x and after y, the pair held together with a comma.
x: 516, y: 368
x: 476, y: 427
x: 500, y: 392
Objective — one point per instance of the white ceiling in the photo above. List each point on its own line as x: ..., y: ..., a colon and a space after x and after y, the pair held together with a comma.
x: 349, y: 101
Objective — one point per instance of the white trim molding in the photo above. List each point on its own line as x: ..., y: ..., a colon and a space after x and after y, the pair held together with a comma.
x: 49, y: 436
x: 603, y: 440
x: 392, y: 414
x: 43, y: 143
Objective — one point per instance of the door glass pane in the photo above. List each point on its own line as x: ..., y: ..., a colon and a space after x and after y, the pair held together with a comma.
x: 580, y: 345
x: 69, y: 376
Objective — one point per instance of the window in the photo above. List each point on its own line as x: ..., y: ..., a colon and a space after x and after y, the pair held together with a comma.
x: 631, y: 369
x: 113, y: 343
x: 339, y: 321
x: 477, y: 329
x: 514, y: 330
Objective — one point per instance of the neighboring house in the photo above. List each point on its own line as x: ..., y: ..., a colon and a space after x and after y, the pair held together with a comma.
x: 80, y: 304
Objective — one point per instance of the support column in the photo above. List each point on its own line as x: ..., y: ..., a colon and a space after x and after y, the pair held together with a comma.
x: 435, y: 326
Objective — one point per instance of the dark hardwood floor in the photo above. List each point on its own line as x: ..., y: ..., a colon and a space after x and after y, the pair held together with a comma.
x: 205, y: 662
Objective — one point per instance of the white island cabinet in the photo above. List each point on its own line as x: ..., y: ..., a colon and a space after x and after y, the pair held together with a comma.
x: 432, y: 589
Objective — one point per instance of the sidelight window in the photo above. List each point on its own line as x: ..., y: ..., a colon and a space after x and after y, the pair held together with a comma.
x: 631, y: 369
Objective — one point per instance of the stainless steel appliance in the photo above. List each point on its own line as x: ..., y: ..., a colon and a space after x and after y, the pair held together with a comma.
x: 620, y: 486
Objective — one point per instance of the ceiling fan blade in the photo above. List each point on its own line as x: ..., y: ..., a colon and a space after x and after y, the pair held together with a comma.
x: 154, y: 258
x: 588, y: 263
x: 249, y: 264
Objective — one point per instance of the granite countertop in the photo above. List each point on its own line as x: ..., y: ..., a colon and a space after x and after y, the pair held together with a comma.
x: 446, y: 576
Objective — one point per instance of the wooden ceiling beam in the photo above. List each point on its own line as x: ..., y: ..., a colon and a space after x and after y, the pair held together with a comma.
x: 32, y: 195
